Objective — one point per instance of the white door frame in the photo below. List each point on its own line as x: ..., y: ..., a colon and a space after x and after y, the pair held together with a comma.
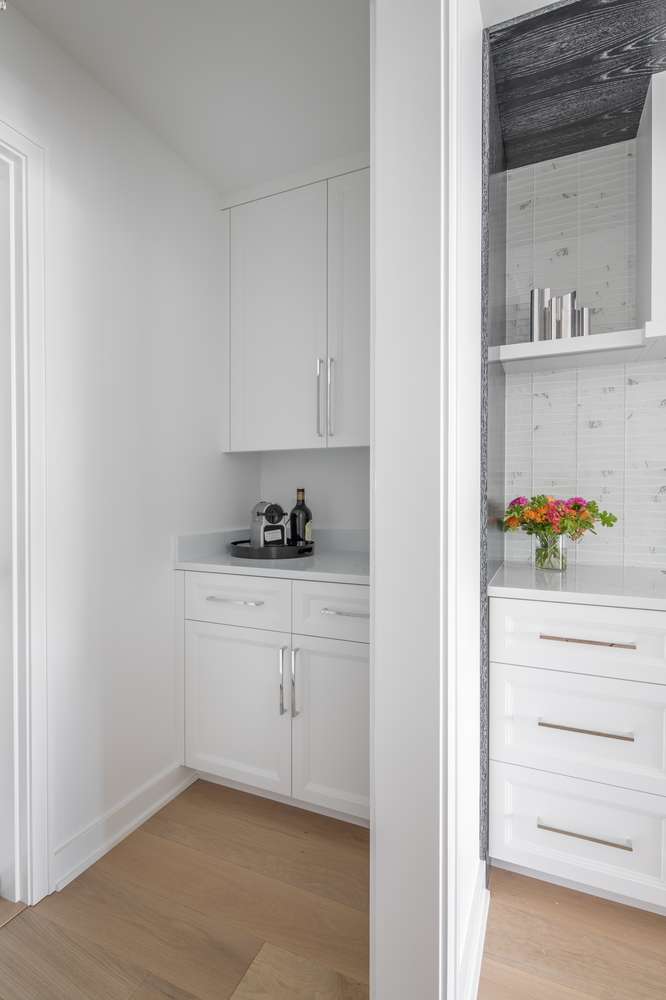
x: 26, y: 172
x: 418, y: 413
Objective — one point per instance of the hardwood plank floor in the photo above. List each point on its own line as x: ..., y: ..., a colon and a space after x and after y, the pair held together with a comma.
x: 9, y: 910
x: 228, y: 896
x: 217, y: 887
x: 555, y: 944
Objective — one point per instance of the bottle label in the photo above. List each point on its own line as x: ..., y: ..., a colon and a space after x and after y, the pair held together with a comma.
x: 308, y: 531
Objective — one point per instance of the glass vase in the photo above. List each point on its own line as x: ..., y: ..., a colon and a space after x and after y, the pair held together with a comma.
x: 550, y: 553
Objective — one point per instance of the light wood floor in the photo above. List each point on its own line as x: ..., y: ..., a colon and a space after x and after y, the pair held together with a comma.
x: 548, y: 943
x: 224, y: 895
x: 219, y: 895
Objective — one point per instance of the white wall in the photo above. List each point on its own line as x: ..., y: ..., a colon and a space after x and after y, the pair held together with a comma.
x: 408, y: 338
x: 336, y: 481
x: 135, y: 362
x: 571, y: 224
x: 598, y: 433
x: 6, y: 560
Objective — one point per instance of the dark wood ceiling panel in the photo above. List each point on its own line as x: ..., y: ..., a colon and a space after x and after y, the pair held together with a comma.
x: 575, y: 76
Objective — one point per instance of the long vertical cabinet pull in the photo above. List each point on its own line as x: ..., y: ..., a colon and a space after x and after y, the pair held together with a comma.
x: 329, y: 396
x: 294, y: 713
x: 320, y: 365
x: 283, y: 650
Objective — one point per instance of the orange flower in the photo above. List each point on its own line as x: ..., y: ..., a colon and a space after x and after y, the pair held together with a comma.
x: 513, y: 522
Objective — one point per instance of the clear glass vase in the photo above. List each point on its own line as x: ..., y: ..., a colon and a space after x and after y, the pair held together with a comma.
x: 550, y: 553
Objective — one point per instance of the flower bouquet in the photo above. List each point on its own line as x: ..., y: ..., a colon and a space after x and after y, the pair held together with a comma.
x: 552, y: 520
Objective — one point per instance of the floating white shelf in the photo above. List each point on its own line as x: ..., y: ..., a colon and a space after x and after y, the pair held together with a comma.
x: 620, y: 347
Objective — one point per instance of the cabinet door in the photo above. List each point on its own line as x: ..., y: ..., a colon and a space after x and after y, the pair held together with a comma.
x: 238, y: 724
x: 348, y: 362
x: 278, y: 321
x: 330, y: 725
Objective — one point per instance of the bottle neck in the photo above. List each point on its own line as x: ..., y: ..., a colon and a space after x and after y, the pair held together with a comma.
x: 300, y: 496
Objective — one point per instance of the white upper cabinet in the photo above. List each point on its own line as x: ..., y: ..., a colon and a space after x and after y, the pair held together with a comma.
x: 278, y: 321
x: 348, y: 360
x: 300, y: 318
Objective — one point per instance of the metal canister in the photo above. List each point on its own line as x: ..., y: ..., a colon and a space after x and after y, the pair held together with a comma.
x: 566, y: 315
x: 539, y: 328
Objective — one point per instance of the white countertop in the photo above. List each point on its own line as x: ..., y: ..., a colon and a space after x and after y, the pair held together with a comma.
x: 610, y: 586
x: 338, y: 558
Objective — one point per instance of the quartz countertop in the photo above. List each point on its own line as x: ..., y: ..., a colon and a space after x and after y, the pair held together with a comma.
x: 611, y: 586
x: 339, y: 557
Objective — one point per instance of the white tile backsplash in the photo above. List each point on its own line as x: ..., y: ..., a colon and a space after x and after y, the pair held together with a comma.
x: 600, y: 433
x: 571, y: 224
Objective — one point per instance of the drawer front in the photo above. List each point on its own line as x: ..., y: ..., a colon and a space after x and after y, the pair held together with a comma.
x: 605, y: 838
x: 587, y: 727
x: 332, y: 611
x: 249, y: 601
x: 610, y: 642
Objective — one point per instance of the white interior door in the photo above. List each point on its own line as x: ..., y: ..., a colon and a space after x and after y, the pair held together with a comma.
x: 237, y: 722
x: 278, y: 321
x: 6, y: 557
x: 348, y: 360
x: 330, y: 728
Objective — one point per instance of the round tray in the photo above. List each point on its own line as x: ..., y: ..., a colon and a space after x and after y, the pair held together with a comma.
x: 243, y: 550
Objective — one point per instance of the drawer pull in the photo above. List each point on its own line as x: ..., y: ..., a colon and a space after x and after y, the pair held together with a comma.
x: 230, y: 600
x: 345, y: 614
x: 625, y: 737
x: 589, y: 642
x: 294, y: 713
x: 283, y: 650
x: 627, y: 846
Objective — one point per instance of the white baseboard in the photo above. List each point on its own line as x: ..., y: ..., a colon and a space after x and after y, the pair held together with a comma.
x: 612, y: 897
x: 73, y: 856
x: 469, y: 973
x: 284, y: 799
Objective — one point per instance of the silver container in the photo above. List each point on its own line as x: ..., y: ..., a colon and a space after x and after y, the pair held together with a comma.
x: 539, y: 299
x: 583, y: 321
x: 566, y: 315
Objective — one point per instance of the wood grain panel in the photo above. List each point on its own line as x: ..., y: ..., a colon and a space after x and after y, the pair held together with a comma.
x: 299, y: 921
x: 575, y: 77
x: 278, y: 975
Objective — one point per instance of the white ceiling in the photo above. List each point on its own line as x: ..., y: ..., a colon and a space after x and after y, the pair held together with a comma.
x: 246, y: 90
x: 495, y: 11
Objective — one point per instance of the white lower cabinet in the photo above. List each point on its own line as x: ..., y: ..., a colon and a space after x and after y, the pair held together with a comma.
x: 578, y: 745
x: 606, y: 838
x: 330, y: 740
x: 234, y: 725
x: 273, y: 710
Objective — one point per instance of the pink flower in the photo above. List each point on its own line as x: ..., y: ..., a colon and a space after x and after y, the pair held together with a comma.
x: 519, y: 502
x: 579, y: 501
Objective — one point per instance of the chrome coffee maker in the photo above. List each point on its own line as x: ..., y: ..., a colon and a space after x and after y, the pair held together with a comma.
x: 268, y: 525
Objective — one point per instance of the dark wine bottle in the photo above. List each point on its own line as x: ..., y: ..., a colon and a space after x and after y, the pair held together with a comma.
x: 300, y: 520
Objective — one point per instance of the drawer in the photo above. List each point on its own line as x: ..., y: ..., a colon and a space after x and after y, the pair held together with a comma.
x: 587, y: 727
x: 250, y: 601
x: 611, y: 642
x: 608, y: 839
x: 332, y: 610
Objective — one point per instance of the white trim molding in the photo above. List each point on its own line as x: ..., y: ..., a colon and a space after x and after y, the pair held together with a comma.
x: 469, y: 973
x: 89, y: 844
x: 26, y: 163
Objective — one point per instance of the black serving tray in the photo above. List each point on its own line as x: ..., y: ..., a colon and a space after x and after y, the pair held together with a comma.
x: 243, y: 550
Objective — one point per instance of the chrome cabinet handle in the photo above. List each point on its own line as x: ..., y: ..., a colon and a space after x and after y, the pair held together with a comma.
x: 329, y: 396
x: 294, y: 713
x: 283, y: 650
x: 589, y: 642
x: 345, y: 614
x: 320, y: 365
x: 231, y: 600
x: 625, y: 737
x: 618, y: 845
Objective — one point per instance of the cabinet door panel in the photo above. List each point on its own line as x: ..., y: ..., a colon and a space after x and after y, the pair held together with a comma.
x: 278, y: 321
x: 234, y: 724
x: 348, y: 417
x: 330, y: 730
